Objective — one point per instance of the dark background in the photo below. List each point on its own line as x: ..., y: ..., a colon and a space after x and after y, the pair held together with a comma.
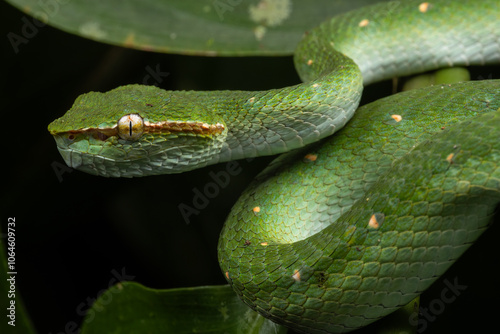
x: 73, y: 230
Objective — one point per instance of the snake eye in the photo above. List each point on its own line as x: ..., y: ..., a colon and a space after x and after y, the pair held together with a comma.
x: 130, y: 127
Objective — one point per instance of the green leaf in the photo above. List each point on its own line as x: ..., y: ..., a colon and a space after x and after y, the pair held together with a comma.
x: 402, y: 321
x: 129, y: 307
x: 439, y: 77
x: 202, y: 27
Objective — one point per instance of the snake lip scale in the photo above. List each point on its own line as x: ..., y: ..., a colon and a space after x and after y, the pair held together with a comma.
x: 329, y: 237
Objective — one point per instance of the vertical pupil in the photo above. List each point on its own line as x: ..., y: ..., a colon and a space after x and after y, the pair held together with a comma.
x: 130, y: 128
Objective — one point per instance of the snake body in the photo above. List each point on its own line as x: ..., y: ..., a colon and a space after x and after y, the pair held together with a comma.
x: 331, y: 254
x: 332, y: 237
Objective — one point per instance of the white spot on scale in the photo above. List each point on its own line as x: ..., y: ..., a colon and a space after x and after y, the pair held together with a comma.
x: 296, y: 276
x: 373, y: 222
x: 423, y: 7
x: 397, y: 118
x: 376, y: 220
x: 310, y: 157
x: 363, y: 23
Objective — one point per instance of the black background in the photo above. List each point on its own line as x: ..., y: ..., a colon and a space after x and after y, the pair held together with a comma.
x: 72, y: 231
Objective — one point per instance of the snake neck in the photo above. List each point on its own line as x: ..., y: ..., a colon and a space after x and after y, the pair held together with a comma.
x: 279, y: 120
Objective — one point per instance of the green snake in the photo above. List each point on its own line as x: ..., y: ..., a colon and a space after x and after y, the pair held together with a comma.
x: 331, y: 236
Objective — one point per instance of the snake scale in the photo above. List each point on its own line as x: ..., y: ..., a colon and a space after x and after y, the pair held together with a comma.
x: 331, y: 236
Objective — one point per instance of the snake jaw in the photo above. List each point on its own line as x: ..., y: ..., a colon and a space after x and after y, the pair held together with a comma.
x: 156, y: 152
x: 68, y: 158
x: 63, y: 142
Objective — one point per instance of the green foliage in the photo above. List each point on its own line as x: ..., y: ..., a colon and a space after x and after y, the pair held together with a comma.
x: 201, y: 27
x: 208, y: 309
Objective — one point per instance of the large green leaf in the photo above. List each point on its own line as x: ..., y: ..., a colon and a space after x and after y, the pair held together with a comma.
x: 203, y: 27
x: 129, y: 307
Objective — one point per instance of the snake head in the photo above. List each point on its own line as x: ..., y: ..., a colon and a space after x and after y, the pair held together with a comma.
x: 138, y: 130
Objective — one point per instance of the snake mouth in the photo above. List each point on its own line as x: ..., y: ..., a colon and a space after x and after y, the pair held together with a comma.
x: 74, y: 160
x: 69, y: 158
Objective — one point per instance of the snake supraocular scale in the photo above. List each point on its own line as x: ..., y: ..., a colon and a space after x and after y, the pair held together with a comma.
x: 330, y: 238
